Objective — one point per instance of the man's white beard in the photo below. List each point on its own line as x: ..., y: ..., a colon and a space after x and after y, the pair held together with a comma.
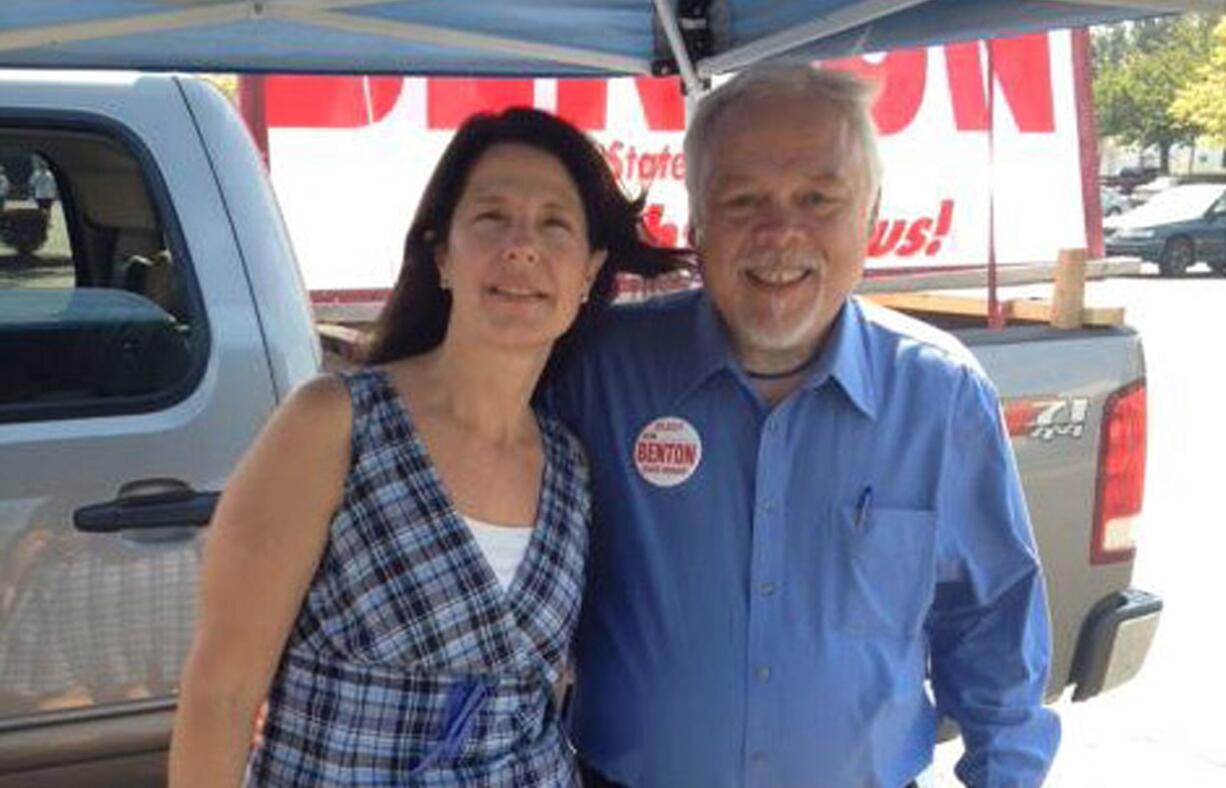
x: 774, y: 334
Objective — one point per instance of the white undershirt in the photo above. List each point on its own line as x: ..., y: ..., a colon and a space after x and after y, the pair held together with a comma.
x: 503, y: 547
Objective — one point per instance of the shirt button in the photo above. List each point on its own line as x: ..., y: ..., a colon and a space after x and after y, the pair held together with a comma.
x: 766, y: 589
x: 768, y: 506
x: 772, y: 426
x: 764, y: 673
x: 758, y: 757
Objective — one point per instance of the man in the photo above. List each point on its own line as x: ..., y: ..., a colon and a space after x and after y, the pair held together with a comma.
x: 805, y: 506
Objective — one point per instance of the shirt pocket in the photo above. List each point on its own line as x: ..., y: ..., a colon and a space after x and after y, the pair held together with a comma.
x: 886, y: 570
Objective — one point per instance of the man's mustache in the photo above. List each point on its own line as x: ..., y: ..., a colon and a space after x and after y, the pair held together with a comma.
x: 788, y: 258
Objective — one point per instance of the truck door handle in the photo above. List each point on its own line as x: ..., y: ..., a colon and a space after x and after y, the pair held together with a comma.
x: 152, y: 503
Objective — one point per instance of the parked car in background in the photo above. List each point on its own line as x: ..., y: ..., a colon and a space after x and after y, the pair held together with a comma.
x: 1175, y: 229
x: 23, y: 227
x: 1114, y: 203
x: 1129, y: 178
x: 1143, y: 193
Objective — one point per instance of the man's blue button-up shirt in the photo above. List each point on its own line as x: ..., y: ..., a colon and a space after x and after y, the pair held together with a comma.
x: 769, y: 588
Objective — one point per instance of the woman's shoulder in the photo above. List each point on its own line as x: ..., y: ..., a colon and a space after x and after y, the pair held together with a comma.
x: 359, y: 390
x: 321, y: 407
x: 322, y: 396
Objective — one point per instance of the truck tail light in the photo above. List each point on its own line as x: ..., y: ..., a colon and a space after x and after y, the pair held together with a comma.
x: 1020, y: 415
x: 1121, y: 475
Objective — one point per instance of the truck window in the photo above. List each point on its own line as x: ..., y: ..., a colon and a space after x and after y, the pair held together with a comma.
x: 95, y: 313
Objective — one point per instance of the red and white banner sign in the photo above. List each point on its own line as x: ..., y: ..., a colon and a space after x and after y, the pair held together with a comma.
x: 350, y: 155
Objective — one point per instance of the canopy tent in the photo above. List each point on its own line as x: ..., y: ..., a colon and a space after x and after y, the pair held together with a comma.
x: 696, y: 38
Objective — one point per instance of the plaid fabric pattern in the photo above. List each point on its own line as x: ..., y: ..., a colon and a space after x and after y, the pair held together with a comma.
x: 404, y: 606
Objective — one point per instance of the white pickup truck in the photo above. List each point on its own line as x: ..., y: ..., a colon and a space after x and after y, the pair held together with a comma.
x: 140, y: 352
x: 144, y: 345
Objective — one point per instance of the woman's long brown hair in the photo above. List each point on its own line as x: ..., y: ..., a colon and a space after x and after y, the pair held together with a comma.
x: 414, y: 319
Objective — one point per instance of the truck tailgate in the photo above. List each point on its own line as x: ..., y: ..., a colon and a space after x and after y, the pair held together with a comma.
x: 1054, y: 386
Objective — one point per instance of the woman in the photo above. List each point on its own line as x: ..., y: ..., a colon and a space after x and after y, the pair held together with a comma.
x: 397, y: 562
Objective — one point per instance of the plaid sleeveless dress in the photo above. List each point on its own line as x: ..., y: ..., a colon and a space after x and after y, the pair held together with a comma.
x: 408, y: 664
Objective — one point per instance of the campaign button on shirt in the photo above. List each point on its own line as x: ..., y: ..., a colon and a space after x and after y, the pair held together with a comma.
x: 667, y: 451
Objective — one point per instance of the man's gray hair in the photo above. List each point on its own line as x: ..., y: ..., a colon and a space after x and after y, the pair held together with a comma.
x: 846, y: 92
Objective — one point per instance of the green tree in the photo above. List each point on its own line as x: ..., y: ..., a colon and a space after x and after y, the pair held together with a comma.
x: 1202, y: 101
x: 1139, y: 69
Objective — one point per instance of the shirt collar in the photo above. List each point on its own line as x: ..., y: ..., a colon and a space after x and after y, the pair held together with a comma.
x: 844, y: 357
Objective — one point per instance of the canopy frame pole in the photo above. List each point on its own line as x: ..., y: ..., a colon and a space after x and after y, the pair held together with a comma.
x: 95, y: 29
x: 317, y: 5
x: 996, y: 315
x: 318, y: 13
x: 156, y: 22
x: 694, y: 85
x: 448, y: 37
x: 834, y: 23
x: 1156, y: 6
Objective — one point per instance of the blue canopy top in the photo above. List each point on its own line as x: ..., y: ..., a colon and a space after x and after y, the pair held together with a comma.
x: 699, y: 38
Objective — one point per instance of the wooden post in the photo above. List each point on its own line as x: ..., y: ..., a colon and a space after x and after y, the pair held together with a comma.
x: 1068, y: 295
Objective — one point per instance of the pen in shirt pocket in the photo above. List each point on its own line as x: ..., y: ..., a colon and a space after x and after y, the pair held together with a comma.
x: 866, y: 500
